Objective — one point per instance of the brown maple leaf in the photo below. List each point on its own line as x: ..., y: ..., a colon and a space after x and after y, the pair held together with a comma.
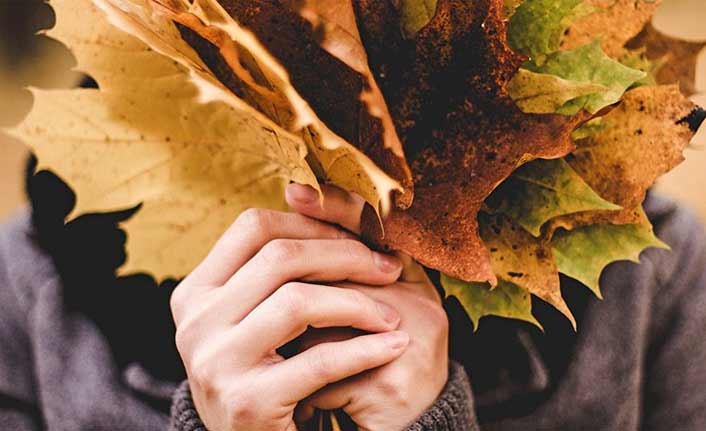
x: 615, y: 22
x: 677, y: 58
x: 463, y: 135
x: 644, y: 138
x: 332, y: 88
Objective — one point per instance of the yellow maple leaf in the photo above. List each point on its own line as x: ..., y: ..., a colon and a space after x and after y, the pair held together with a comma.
x: 147, y: 138
x: 154, y: 22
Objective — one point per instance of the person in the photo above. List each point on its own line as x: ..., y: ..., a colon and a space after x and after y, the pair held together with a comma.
x: 291, y: 312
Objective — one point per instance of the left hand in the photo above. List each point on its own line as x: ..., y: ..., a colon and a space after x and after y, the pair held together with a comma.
x: 394, y: 395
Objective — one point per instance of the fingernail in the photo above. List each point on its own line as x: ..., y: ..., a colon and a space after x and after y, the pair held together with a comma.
x: 301, y: 193
x: 397, y: 340
x: 387, y: 263
x: 389, y: 314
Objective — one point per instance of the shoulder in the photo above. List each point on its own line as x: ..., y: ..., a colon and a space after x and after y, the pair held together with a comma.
x: 682, y: 230
x: 24, y: 265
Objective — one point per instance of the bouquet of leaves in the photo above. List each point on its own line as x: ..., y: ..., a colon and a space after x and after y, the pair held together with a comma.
x: 498, y: 142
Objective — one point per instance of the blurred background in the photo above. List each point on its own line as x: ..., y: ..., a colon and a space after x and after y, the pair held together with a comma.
x: 31, y: 59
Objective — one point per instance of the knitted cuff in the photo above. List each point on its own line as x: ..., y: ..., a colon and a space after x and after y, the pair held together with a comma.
x: 184, y: 414
x: 453, y: 410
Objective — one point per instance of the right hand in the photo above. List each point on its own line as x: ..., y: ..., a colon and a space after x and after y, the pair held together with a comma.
x: 253, y: 293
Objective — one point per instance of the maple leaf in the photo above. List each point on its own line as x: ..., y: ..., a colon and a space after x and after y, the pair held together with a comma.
x: 589, y: 63
x: 147, y: 139
x: 642, y: 139
x: 415, y: 14
x: 524, y: 260
x: 462, y: 133
x: 479, y: 300
x: 536, y: 26
x: 542, y: 93
x: 325, y: 90
x: 335, y: 23
x: 254, y: 78
x: 613, y: 22
x: 677, y: 58
x: 584, y: 252
x: 542, y: 190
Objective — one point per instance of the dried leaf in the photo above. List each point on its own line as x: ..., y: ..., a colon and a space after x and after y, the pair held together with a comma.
x: 335, y: 23
x: 536, y: 26
x: 613, y: 22
x: 479, y: 300
x: 584, y: 252
x: 526, y: 261
x: 541, y: 93
x: 462, y: 133
x: 643, y: 139
x: 590, y: 64
x: 160, y: 147
x: 542, y: 190
x: 252, y: 68
x: 677, y: 58
x: 415, y: 14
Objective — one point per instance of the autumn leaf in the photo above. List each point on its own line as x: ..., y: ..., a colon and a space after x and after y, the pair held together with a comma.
x: 335, y: 25
x: 613, y: 22
x: 677, y: 58
x: 541, y: 93
x: 255, y: 78
x: 542, y: 190
x: 642, y: 139
x: 637, y: 59
x: 479, y: 300
x: 462, y: 132
x: 584, y: 252
x: 147, y: 139
x: 526, y: 261
x: 415, y: 14
x: 589, y: 64
x: 536, y: 26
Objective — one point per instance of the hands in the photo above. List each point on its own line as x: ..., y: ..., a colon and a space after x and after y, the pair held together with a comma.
x: 241, y: 304
x: 394, y: 395
x: 256, y: 291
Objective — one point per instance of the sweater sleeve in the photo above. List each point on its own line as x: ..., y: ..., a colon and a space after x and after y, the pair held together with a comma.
x: 675, y: 362
x: 452, y: 411
x: 18, y: 407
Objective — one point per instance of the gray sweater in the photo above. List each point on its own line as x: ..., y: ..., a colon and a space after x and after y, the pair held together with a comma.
x: 638, y: 360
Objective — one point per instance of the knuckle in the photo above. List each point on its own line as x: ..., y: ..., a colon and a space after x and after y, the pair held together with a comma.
x: 202, y: 373
x: 281, y: 250
x: 293, y: 297
x: 392, y: 386
x: 256, y: 220
x: 242, y: 405
x: 434, y: 314
x: 319, y: 364
x: 362, y: 302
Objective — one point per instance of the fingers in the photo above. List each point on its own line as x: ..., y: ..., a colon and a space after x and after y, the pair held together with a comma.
x: 339, y: 207
x: 249, y: 233
x: 311, y: 370
x: 332, y: 397
x: 293, y: 308
x: 281, y: 261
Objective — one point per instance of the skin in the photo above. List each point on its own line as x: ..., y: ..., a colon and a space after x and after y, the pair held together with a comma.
x: 274, y: 277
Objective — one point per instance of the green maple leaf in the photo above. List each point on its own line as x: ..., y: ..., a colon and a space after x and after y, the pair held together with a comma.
x: 415, y: 14
x: 544, y: 189
x: 536, y: 27
x: 584, y: 252
x: 542, y: 93
x: 591, y: 65
x: 479, y: 300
